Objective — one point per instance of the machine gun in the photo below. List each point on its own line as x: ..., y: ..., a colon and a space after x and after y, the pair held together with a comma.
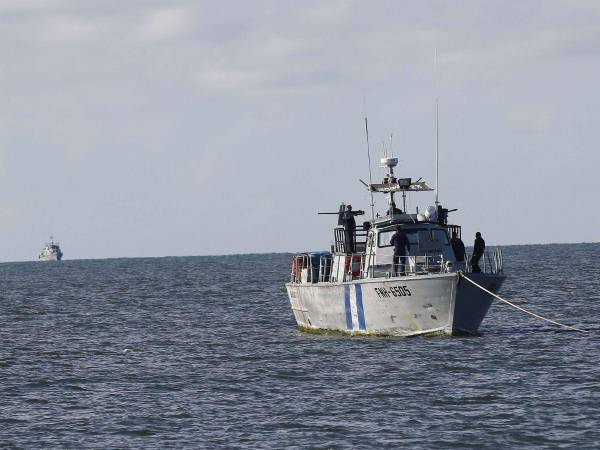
x: 341, y: 212
x: 442, y: 214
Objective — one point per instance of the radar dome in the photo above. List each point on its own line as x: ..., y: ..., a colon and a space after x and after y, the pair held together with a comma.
x: 431, y: 213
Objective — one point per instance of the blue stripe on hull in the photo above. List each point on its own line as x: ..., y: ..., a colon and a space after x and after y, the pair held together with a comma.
x: 359, y: 308
x: 348, y: 310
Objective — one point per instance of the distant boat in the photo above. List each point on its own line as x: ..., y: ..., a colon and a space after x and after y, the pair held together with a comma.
x: 51, y: 252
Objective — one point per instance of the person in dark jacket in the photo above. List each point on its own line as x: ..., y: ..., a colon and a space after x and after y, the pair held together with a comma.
x: 458, y: 247
x: 401, y: 248
x: 478, y: 249
x: 349, y: 228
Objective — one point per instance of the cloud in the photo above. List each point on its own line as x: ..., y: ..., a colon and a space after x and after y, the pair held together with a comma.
x: 533, y: 118
x: 282, y: 46
x: 69, y: 29
x: 9, y: 7
x: 164, y: 23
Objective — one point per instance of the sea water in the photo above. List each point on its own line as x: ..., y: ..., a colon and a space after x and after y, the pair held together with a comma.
x: 203, y: 352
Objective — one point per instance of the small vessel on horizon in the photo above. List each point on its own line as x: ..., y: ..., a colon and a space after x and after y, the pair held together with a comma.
x: 51, y: 252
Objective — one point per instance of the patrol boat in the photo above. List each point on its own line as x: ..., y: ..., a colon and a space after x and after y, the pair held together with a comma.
x: 51, y: 252
x: 361, y: 293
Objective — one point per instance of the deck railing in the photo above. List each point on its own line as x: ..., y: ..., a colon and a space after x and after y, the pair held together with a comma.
x: 411, y: 265
x: 304, y: 269
x: 352, y: 267
x: 358, y: 266
x: 491, y: 262
x: 360, y: 240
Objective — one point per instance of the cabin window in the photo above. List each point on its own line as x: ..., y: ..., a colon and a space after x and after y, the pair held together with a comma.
x: 441, y: 236
x: 385, y: 237
x: 415, y: 236
x: 424, y: 238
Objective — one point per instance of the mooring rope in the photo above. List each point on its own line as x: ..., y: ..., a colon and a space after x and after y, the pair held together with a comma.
x: 522, y: 309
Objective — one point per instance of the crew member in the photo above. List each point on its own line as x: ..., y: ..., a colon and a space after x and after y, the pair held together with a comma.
x: 401, y: 248
x: 349, y: 228
x: 458, y: 247
x: 478, y: 249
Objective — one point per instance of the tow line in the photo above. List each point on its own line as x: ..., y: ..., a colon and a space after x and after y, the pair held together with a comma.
x: 522, y: 309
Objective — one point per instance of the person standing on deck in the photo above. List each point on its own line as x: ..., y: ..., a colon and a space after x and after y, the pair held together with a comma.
x: 401, y: 248
x: 349, y: 228
x: 478, y: 249
x: 458, y: 247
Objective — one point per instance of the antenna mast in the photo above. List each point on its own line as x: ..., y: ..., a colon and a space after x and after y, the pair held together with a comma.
x: 437, y: 151
x: 370, y: 176
x: 437, y: 131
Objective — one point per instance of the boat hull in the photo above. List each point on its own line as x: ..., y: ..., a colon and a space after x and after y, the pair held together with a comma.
x: 400, y: 306
x: 472, y: 304
x: 52, y: 257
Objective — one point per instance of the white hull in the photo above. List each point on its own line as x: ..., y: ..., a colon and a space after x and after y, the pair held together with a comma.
x: 400, y: 306
x: 52, y: 257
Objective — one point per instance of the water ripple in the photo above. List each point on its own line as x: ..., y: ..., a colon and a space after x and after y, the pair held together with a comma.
x: 203, y: 352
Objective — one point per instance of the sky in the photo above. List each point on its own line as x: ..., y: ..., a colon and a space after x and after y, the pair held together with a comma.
x: 155, y: 128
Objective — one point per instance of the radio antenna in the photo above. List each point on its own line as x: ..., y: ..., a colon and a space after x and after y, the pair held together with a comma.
x: 437, y: 132
x: 437, y: 151
x: 370, y: 175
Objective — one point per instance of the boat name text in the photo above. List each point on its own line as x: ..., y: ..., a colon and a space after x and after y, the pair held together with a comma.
x: 393, y: 291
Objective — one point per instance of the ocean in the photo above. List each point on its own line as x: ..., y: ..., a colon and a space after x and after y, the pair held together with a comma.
x: 203, y: 352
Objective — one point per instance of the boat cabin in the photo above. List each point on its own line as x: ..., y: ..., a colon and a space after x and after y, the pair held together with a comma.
x: 430, y: 248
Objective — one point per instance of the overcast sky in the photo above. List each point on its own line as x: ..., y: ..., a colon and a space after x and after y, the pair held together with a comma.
x: 152, y: 128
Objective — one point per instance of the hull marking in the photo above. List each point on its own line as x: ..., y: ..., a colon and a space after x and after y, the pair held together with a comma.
x: 347, y: 305
x: 359, y: 307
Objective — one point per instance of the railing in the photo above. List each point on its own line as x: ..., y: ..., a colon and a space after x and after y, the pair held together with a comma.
x: 352, y: 267
x: 325, y: 268
x: 304, y: 271
x: 410, y: 266
x: 360, y: 240
x: 299, y: 264
x: 491, y: 262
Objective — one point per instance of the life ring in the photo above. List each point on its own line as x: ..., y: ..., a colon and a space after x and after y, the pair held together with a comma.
x: 297, y: 266
x: 353, y: 263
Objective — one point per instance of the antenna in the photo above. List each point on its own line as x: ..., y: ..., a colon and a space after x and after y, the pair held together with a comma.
x: 437, y: 132
x: 370, y: 176
x: 437, y: 150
